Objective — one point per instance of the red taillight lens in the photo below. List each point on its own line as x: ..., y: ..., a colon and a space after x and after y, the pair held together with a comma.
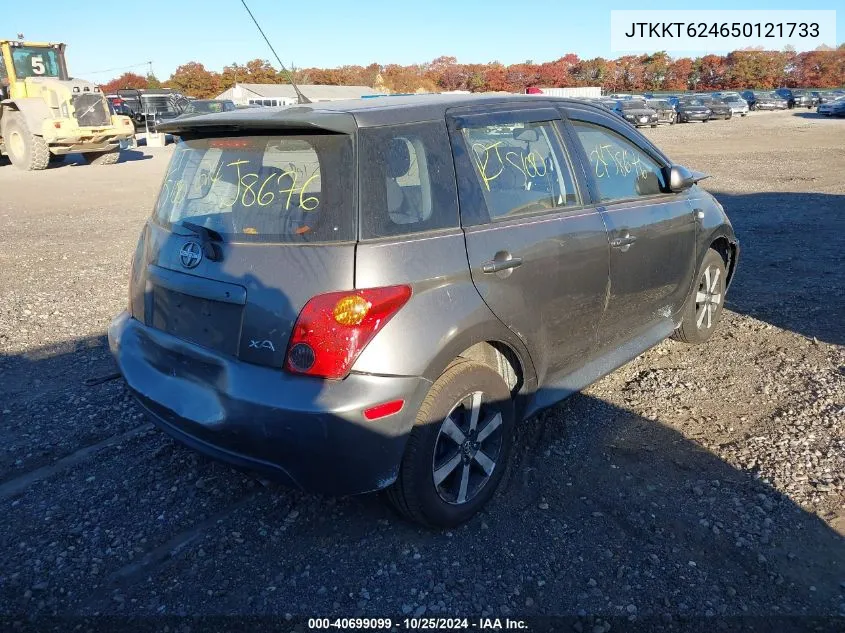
x: 334, y: 328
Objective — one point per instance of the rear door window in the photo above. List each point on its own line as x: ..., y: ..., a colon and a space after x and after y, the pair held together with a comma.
x: 295, y: 188
x: 520, y: 168
x: 407, y: 180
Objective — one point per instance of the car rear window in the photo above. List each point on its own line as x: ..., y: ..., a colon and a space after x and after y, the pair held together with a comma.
x: 263, y: 188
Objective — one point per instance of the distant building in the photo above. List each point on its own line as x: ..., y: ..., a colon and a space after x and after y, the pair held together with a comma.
x: 284, y: 94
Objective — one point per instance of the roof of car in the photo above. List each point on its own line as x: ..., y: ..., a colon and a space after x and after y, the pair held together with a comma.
x: 346, y: 115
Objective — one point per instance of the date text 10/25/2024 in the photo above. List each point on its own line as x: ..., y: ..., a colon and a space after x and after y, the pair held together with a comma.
x: 418, y: 623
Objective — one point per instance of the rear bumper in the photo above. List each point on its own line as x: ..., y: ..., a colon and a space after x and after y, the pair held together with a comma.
x: 305, y: 432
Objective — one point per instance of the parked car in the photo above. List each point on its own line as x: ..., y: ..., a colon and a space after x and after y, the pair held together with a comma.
x: 718, y: 108
x: 835, y: 107
x: 764, y: 100
x: 797, y: 98
x: 393, y: 338
x: 737, y: 104
x: 148, y: 107
x: 118, y: 106
x: 693, y: 109
x: 208, y: 106
x: 636, y: 112
x: 665, y: 111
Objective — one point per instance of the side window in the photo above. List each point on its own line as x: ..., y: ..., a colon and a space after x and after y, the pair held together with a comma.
x: 620, y: 168
x: 407, y: 180
x: 520, y: 168
x: 3, y: 74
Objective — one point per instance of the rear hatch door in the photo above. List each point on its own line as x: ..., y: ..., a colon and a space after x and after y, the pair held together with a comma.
x: 245, y: 231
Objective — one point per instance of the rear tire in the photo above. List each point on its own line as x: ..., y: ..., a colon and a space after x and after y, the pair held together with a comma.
x: 703, y: 308
x: 26, y: 150
x: 102, y: 158
x: 452, y: 465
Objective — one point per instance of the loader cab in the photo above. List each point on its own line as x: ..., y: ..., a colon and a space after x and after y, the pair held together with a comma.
x: 30, y: 60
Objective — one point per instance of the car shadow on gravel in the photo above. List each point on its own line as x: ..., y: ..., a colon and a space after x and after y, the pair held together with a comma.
x: 813, y: 115
x: 603, y: 512
x: 792, y: 260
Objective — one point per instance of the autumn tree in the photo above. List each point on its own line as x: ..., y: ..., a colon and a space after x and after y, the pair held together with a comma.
x: 655, y: 70
x: 710, y: 72
x: 194, y: 80
x: 126, y: 80
x: 747, y: 68
x: 678, y: 74
x: 590, y: 72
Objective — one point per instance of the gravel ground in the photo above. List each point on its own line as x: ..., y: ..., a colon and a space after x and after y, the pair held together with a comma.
x: 693, y: 482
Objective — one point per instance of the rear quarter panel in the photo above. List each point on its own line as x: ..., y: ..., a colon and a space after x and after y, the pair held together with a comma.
x: 445, y: 314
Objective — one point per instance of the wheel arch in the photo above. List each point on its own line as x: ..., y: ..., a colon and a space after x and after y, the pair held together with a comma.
x: 497, y: 347
x: 34, y: 112
x: 728, y: 248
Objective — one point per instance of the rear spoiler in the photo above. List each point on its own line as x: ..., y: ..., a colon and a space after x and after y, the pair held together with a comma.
x: 263, y: 119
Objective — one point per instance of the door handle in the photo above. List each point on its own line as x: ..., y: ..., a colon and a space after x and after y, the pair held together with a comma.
x: 500, y: 263
x: 623, y: 242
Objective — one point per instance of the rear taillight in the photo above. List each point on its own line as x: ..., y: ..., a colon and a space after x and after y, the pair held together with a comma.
x: 334, y: 328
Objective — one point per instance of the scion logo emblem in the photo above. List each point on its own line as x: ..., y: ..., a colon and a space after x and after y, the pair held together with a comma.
x: 190, y: 255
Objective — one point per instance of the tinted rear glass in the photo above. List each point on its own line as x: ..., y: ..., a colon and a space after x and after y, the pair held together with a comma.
x: 293, y: 188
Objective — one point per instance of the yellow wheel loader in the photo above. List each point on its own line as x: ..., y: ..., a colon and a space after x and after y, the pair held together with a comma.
x: 45, y: 114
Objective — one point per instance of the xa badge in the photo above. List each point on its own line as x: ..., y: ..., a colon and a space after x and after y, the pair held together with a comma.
x: 259, y: 344
x: 190, y: 255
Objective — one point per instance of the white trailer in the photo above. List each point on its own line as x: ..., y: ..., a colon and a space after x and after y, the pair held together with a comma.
x: 588, y: 92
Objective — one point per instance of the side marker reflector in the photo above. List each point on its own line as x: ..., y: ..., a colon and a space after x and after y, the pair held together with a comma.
x: 383, y: 410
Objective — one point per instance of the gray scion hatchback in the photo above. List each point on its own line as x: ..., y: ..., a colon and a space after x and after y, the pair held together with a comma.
x: 365, y: 295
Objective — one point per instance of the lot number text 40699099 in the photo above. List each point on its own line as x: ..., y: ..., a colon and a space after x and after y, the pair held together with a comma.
x: 421, y: 623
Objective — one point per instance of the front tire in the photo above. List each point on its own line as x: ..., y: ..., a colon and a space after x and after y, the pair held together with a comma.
x: 703, y: 309
x: 458, y: 449
x: 102, y: 158
x: 26, y: 150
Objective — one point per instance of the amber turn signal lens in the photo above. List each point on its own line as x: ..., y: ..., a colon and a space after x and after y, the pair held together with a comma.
x: 351, y: 310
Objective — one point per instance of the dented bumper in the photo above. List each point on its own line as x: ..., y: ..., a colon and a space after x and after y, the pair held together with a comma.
x: 305, y: 432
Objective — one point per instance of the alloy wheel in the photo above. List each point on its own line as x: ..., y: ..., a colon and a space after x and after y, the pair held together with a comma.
x: 467, y: 448
x: 708, y: 298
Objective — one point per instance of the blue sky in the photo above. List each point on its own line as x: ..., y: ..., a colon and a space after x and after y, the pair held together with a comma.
x: 329, y: 33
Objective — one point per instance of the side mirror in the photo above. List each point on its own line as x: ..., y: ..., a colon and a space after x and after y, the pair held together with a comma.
x: 680, y: 178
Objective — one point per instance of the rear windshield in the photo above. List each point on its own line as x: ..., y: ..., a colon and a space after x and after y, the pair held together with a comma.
x: 263, y: 188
